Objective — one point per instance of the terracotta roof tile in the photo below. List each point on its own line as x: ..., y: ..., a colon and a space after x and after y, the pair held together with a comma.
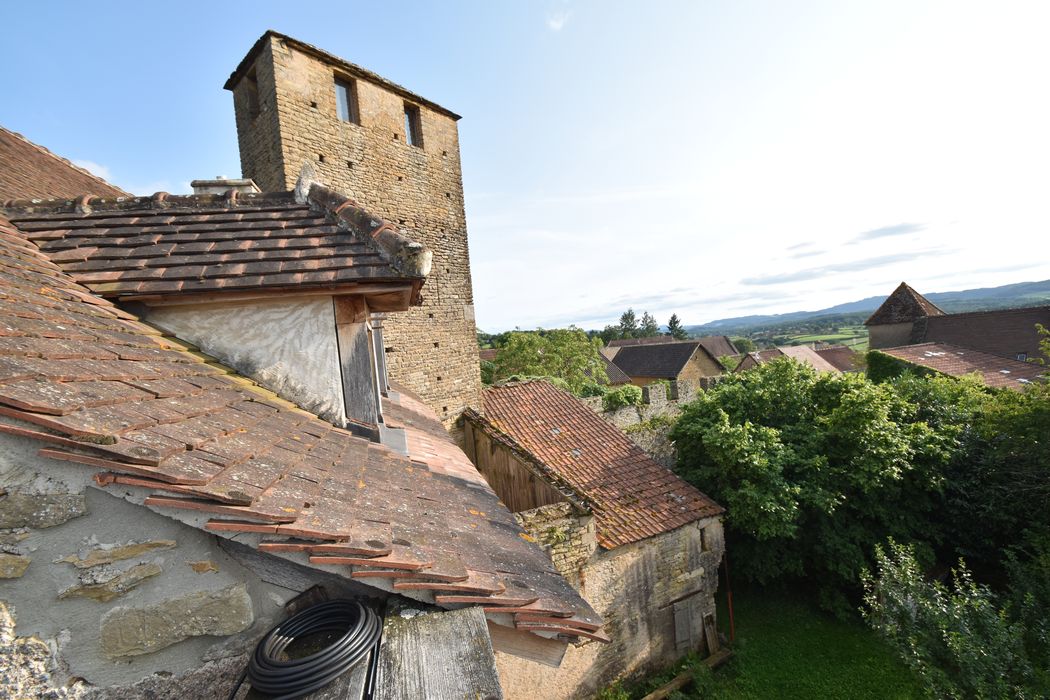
x: 995, y: 371
x: 206, y: 243
x: 632, y: 496
x: 32, y: 172
x: 106, y: 391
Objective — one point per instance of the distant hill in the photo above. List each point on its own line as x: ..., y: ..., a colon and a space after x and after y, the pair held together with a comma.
x: 986, y: 298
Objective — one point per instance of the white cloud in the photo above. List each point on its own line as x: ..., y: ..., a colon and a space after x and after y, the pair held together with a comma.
x: 557, y: 20
x: 93, y: 168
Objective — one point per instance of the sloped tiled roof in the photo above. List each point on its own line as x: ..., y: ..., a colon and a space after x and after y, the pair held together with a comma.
x: 164, y: 245
x: 840, y: 357
x: 616, y: 375
x: 632, y: 496
x: 101, y: 389
x: 33, y: 172
x: 800, y: 353
x: 654, y: 340
x: 718, y: 345
x: 902, y: 306
x: 658, y: 360
x: 1004, y: 332
x: 997, y: 372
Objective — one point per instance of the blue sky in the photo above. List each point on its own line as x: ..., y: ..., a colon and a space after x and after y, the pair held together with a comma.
x: 711, y: 159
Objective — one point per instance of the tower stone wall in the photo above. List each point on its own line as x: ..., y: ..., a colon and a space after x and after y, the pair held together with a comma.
x: 286, y: 111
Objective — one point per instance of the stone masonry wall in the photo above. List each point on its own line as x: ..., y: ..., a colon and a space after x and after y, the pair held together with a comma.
x: 569, y: 538
x: 432, y: 349
x: 644, y: 591
x: 102, y: 595
x: 648, y: 424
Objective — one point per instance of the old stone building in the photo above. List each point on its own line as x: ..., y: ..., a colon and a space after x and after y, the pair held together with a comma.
x: 161, y: 507
x: 398, y: 155
x: 685, y: 360
x: 641, y: 546
x: 908, y: 318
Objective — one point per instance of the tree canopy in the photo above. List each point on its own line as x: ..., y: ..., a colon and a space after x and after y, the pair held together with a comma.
x: 674, y: 327
x: 566, y: 354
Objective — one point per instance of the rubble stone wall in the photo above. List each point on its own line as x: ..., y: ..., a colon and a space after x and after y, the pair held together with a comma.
x: 95, y: 588
x: 653, y: 596
x: 432, y: 349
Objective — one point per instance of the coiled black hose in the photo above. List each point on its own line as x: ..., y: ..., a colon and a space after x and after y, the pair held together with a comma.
x: 285, y: 680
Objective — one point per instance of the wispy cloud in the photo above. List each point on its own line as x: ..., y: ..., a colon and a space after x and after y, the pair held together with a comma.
x: 557, y: 20
x: 797, y: 246
x: 851, y: 266
x: 887, y: 231
x: 805, y: 253
x: 94, y: 168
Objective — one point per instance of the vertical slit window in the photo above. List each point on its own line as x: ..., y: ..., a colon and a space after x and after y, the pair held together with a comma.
x: 346, y: 101
x: 251, y: 91
x: 413, y: 126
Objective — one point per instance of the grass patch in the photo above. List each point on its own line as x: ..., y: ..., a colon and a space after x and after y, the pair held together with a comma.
x: 787, y: 648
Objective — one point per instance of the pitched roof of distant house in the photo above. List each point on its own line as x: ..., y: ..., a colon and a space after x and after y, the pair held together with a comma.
x: 902, y: 306
x: 658, y: 360
x: 488, y: 354
x: 718, y: 345
x: 32, y: 172
x: 654, y: 340
x: 615, y: 374
x: 801, y: 353
x: 842, y: 358
x: 195, y: 442
x: 632, y: 496
x: 997, y: 372
x: 149, y: 247
x: 1005, y: 332
x: 345, y: 66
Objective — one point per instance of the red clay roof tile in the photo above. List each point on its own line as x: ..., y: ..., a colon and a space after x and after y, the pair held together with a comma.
x: 997, y: 372
x: 107, y: 391
x: 632, y: 496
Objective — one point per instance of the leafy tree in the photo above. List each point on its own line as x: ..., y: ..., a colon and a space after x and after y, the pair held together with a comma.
x: 626, y: 395
x: 814, y: 470
x: 563, y: 353
x: 649, y: 328
x: 744, y: 344
x: 675, y: 328
x: 729, y: 362
x: 628, y: 324
x: 956, y: 639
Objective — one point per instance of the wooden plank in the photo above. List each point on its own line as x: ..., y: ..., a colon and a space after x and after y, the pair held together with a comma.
x: 711, y: 634
x: 686, y: 677
x: 357, y: 365
x: 444, y: 654
x: 526, y: 645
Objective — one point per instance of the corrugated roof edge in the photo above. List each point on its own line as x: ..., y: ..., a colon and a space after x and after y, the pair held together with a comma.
x: 343, y: 64
x: 65, y: 161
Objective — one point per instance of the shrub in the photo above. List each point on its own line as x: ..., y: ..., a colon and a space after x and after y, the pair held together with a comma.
x: 956, y: 639
x: 626, y: 395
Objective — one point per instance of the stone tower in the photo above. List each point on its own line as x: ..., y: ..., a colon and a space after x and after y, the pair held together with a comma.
x: 396, y: 154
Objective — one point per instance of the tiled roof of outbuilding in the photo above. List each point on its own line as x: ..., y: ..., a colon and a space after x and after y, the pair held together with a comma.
x: 659, y: 360
x: 902, y: 306
x: 163, y: 245
x: 632, y: 496
x: 997, y: 372
x: 101, y: 389
x: 842, y: 358
x: 33, y: 172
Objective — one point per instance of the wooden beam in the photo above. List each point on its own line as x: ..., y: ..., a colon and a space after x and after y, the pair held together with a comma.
x: 357, y: 365
x: 388, y: 293
x: 686, y: 677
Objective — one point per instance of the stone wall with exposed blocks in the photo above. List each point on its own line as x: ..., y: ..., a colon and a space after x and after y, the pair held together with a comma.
x: 99, y: 595
x: 653, y: 596
x: 432, y: 348
x: 649, y: 423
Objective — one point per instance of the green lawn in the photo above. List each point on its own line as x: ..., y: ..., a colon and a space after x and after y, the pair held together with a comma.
x: 787, y: 648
